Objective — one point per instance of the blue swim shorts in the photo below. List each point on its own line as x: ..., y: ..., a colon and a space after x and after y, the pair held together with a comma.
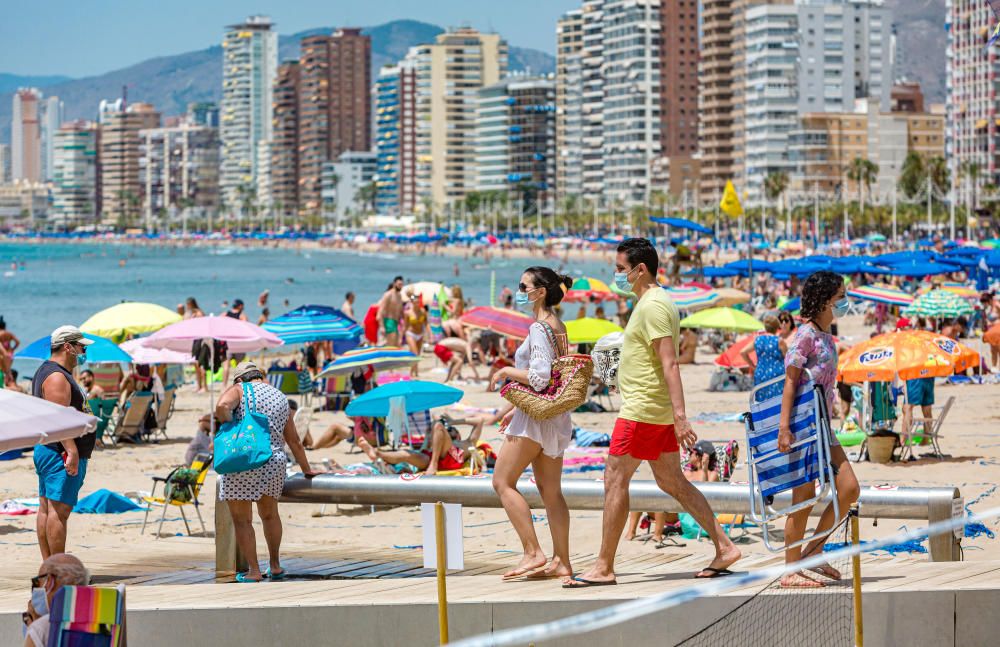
x: 53, y: 482
x: 920, y: 392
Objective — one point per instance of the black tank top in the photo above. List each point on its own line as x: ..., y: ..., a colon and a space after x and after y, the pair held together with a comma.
x: 84, y: 444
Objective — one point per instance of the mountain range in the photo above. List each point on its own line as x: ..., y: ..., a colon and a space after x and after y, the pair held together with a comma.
x: 171, y: 82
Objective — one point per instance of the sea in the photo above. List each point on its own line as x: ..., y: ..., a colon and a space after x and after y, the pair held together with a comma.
x: 43, y: 286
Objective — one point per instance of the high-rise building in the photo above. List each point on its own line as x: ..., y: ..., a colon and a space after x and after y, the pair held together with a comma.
x: 285, y: 140
x: 249, y: 65
x: 805, y: 58
x: 569, y: 105
x: 592, y: 101
x: 179, y: 170
x: 74, y: 181
x: 5, y: 175
x: 679, y: 52
x: 395, y: 138
x: 344, y: 180
x: 26, y: 136
x: 204, y: 113
x: 449, y: 73
x: 515, y: 142
x: 973, y: 131
x: 23, y: 204
x: 334, y: 105
x: 51, y: 119
x: 118, y: 158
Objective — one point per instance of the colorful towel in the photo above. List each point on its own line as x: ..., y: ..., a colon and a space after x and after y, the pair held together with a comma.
x: 586, y: 438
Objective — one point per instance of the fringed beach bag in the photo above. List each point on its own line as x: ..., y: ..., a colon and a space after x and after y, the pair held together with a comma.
x: 567, y: 389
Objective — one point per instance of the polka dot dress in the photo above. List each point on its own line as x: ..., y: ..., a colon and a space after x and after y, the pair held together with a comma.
x: 269, y: 478
x: 770, y: 364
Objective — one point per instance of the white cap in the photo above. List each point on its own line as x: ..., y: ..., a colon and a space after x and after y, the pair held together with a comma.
x: 68, y: 334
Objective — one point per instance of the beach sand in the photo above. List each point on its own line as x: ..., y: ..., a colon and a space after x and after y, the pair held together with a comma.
x: 971, y: 436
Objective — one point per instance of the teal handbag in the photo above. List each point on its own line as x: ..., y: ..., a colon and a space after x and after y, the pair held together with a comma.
x: 243, y: 445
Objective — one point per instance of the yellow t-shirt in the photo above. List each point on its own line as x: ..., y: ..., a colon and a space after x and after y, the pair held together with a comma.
x: 645, y: 397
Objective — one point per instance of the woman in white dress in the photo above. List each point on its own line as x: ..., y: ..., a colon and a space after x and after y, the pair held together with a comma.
x: 539, y: 443
x: 263, y: 484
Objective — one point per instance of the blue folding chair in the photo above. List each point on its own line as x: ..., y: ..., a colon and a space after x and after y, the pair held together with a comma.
x: 773, y: 472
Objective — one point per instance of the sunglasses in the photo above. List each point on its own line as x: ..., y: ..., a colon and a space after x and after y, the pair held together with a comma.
x: 36, y: 581
x: 524, y: 288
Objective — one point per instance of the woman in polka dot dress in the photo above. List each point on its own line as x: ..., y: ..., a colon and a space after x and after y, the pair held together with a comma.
x: 263, y: 484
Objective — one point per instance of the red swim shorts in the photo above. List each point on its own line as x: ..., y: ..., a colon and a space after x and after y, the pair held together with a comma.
x: 642, y: 440
x: 443, y: 353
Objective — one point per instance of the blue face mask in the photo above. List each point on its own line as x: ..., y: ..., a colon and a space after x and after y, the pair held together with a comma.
x: 622, y: 282
x: 521, y: 298
x: 840, y: 308
x: 39, y: 601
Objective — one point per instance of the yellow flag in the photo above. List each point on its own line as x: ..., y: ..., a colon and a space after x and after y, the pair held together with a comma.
x: 730, y: 204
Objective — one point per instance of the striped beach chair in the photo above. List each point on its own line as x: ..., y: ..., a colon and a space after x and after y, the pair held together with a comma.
x: 773, y: 472
x: 87, y: 616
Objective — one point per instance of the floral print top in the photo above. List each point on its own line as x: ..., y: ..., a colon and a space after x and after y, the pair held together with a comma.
x: 814, y: 350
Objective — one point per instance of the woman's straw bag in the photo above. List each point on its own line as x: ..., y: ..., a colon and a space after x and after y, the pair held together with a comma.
x: 567, y: 389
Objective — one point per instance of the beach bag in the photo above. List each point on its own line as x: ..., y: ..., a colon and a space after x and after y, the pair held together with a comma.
x: 567, y: 389
x: 607, y: 355
x: 180, y: 486
x: 244, y: 444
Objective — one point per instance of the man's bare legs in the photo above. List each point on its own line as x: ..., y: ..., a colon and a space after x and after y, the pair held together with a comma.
x: 50, y: 526
x: 515, y: 456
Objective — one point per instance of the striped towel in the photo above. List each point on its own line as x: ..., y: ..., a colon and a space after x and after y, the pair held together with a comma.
x: 777, y: 471
x: 84, y: 616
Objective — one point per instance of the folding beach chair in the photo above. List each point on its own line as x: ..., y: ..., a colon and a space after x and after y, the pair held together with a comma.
x: 104, y: 409
x: 932, y: 429
x: 87, y: 616
x: 180, y: 488
x: 773, y: 472
x: 132, y: 416
x: 109, y: 378
x: 164, y: 410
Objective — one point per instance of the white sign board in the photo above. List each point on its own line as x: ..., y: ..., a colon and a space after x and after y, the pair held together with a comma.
x: 452, y: 535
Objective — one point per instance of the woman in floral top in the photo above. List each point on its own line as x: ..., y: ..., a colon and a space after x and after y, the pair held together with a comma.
x: 813, y: 349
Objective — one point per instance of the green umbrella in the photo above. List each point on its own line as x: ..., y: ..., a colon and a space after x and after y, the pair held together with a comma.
x: 723, y: 319
x: 939, y: 303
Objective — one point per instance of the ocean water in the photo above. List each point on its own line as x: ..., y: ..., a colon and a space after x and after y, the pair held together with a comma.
x: 67, y: 283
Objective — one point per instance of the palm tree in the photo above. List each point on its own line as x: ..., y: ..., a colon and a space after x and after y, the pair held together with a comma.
x: 970, y: 171
x: 863, y: 172
x: 366, y: 195
x: 775, y: 185
x: 937, y: 169
x: 913, y: 175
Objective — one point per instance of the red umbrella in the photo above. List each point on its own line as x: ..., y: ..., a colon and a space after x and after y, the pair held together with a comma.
x: 501, y: 320
x: 731, y: 358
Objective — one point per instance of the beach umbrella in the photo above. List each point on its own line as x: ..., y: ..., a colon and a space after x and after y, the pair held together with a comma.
x: 145, y: 355
x: 501, y: 320
x: 903, y: 353
x: 381, y: 358
x: 731, y: 297
x: 962, y: 356
x: 712, y: 272
x: 959, y: 289
x: 426, y: 290
x: 919, y: 268
x: 587, y: 289
x: 131, y: 318
x: 241, y: 336
x: 881, y: 294
x: 682, y: 223
x: 102, y: 351
x: 692, y: 297
x: 938, y: 303
x: 588, y: 330
x: 420, y: 395
x: 731, y: 358
x: 722, y: 319
x: 26, y: 421
x: 315, y: 323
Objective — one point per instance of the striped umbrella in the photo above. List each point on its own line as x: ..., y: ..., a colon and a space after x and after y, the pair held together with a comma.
x: 959, y: 289
x: 690, y: 297
x: 881, y: 294
x: 313, y: 323
x: 587, y: 288
x: 506, y: 322
x: 381, y: 358
x: 939, y: 303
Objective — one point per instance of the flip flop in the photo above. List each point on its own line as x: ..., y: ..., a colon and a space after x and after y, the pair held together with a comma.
x: 275, y: 577
x: 242, y: 578
x: 715, y: 572
x: 586, y: 584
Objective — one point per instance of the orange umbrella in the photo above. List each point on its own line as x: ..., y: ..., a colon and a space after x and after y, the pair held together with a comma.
x: 908, y: 354
x: 731, y: 358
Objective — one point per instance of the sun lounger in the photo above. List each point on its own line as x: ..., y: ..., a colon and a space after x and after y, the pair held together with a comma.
x: 132, y: 416
x: 88, y: 616
x: 164, y: 410
x: 180, y: 488
x: 932, y: 429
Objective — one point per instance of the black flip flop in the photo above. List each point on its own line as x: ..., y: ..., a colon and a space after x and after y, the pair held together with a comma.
x: 715, y: 572
x: 586, y: 584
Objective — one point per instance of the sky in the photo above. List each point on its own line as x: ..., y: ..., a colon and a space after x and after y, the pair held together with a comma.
x: 80, y: 38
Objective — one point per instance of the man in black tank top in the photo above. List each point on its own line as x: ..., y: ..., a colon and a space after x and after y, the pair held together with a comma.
x: 61, y: 467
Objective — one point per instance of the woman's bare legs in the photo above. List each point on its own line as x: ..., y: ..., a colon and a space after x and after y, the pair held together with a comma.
x: 548, y: 479
x: 394, y: 457
x: 267, y: 509
x: 242, y: 514
x: 515, y: 455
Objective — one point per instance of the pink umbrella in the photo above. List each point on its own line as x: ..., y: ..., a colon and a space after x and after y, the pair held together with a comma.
x: 145, y: 355
x: 241, y: 336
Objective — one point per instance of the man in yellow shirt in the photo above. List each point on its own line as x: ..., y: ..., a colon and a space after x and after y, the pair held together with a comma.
x: 652, y: 418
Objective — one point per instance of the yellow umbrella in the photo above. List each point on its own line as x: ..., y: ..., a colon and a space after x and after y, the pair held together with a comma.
x: 588, y: 330
x: 131, y: 318
x: 731, y: 296
x: 723, y: 319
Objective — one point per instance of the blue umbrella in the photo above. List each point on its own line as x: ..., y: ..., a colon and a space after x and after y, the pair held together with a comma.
x: 102, y: 351
x: 920, y: 269
x: 419, y: 396
x: 682, y: 223
x: 742, y: 266
x: 793, y: 305
x: 714, y: 272
x: 315, y: 323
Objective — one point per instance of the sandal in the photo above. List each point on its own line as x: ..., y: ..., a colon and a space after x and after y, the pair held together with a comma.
x: 242, y: 578
x: 275, y: 577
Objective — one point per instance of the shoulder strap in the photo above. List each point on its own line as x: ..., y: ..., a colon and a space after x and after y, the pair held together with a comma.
x: 248, y: 398
x: 553, y: 338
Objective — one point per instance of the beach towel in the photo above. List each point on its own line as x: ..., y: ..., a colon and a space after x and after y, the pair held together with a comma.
x: 434, y: 320
x: 776, y: 470
x: 105, y: 502
x: 586, y: 438
x: 14, y: 509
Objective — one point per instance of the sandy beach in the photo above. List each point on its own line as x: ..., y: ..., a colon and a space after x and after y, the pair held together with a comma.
x: 971, y: 437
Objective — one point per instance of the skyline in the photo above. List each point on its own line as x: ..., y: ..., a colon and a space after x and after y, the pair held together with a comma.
x: 105, y: 35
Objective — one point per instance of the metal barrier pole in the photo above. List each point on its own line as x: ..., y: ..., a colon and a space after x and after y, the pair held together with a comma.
x: 859, y: 633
